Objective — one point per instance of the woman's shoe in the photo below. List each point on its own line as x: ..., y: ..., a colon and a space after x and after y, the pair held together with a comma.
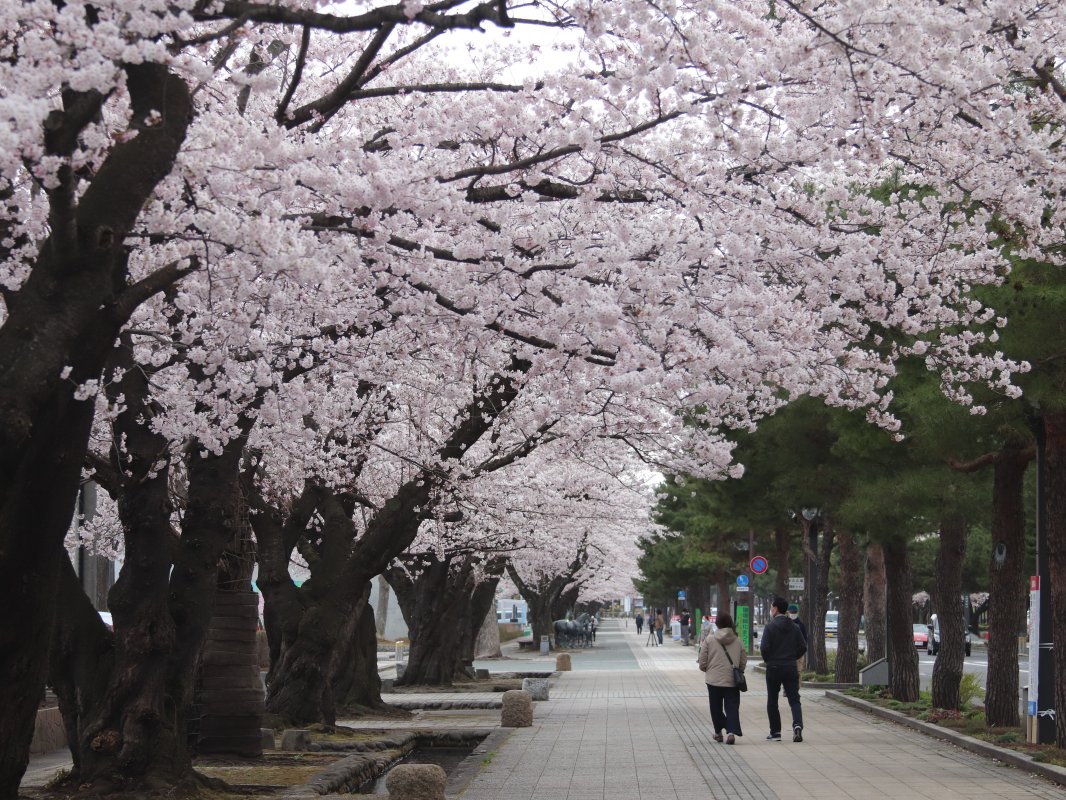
x: 718, y: 737
x: 730, y: 739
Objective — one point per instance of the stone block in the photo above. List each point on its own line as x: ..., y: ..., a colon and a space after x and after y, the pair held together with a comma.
x: 387, y: 685
x: 562, y: 662
x: 296, y: 740
x: 416, y: 782
x: 268, y: 738
x: 481, y: 674
x: 537, y: 687
x: 49, y: 733
x: 401, y: 668
x: 517, y: 709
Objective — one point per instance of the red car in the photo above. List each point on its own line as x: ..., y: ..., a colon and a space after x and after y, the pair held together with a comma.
x: 921, y: 635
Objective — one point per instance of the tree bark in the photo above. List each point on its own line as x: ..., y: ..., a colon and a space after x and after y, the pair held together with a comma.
x: 947, y: 594
x: 902, y: 658
x: 355, y: 679
x: 850, y: 601
x: 1006, y: 616
x: 60, y: 327
x: 874, y: 598
x: 816, y: 631
x: 1054, y: 479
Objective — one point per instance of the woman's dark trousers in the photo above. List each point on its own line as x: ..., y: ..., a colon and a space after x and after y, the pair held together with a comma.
x: 725, y: 708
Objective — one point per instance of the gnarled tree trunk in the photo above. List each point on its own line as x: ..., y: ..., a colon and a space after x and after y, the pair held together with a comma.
x: 902, y: 659
x: 60, y: 326
x: 355, y: 679
x: 444, y: 604
x: 874, y: 599
x: 850, y: 601
x: 947, y: 597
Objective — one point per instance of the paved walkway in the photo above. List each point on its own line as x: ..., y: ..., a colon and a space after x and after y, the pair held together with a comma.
x: 640, y: 734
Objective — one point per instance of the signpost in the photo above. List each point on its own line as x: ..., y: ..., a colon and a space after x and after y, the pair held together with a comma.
x: 796, y: 584
x: 742, y: 580
x: 744, y: 625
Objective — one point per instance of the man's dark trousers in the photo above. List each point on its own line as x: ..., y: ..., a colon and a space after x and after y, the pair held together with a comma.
x: 778, y: 676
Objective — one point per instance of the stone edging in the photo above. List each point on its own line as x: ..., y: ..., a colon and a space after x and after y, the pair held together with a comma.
x: 372, y: 758
x: 982, y: 748
x: 441, y: 705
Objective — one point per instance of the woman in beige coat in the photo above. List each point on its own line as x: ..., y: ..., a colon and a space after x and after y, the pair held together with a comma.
x: 722, y: 692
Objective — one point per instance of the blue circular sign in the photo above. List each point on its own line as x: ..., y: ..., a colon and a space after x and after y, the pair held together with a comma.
x: 759, y: 565
x: 742, y: 580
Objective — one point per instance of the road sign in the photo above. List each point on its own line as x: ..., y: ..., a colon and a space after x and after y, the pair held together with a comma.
x: 681, y: 594
x: 758, y: 565
x: 795, y: 584
x: 741, y: 588
x: 742, y: 580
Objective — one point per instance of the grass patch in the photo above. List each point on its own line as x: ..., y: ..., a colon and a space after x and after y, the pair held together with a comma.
x: 968, y: 721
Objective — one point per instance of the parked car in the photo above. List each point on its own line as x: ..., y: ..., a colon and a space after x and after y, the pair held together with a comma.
x: 933, y: 643
x: 921, y: 635
x: 831, y: 623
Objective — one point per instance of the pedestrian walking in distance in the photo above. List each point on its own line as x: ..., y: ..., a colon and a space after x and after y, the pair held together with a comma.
x: 782, y: 644
x: 794, y: 615
x: 722, y: 692
x: 640, y: 622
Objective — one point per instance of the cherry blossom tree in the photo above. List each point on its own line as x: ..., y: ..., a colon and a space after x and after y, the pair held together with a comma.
x: 677, y: 222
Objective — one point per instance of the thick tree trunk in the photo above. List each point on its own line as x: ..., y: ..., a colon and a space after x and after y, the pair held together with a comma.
x: 947, y: 597
x: 874, y: 600
x: 355, y: 679
x: 60, y: 327
x: 902, y: 658
x: 1006, y: 615
x: 444, y: 604
x: 850, y: 601
x: 1054, y: 480
x: 723, y: 584
x: 80, y: 661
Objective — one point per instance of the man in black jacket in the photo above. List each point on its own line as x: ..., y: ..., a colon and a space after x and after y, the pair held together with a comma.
x: 781, y: 644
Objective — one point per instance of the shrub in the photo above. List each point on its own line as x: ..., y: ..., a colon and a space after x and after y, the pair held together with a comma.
x: 969, y: 689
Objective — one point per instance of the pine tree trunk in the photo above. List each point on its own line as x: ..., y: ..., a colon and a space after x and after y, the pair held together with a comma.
x: 874, y: 598
x: 947, y: 594
x: 1054, y: 477
x: 816, y: 630
x: 1006, y: 615
x: 850, y: 597
x: 723, y: 585
x: 902, y: 658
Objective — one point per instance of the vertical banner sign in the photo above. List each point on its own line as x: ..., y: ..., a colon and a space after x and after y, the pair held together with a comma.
x: 1034, y: 644
x: 744, y: 625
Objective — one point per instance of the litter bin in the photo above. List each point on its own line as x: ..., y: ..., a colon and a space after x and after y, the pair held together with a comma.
x: 544, y: 645
x: 675, y: 630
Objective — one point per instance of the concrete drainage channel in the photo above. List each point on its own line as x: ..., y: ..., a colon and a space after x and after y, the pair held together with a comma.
x: 462, y: 753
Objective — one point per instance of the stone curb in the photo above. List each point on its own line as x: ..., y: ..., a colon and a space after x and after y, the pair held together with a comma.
x: 442, y: 705
x: 981, y: 748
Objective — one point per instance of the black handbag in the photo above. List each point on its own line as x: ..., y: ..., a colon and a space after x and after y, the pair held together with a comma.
x: 738, y: 674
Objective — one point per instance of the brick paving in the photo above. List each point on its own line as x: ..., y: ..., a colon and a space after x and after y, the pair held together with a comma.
x: 644, y: 734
